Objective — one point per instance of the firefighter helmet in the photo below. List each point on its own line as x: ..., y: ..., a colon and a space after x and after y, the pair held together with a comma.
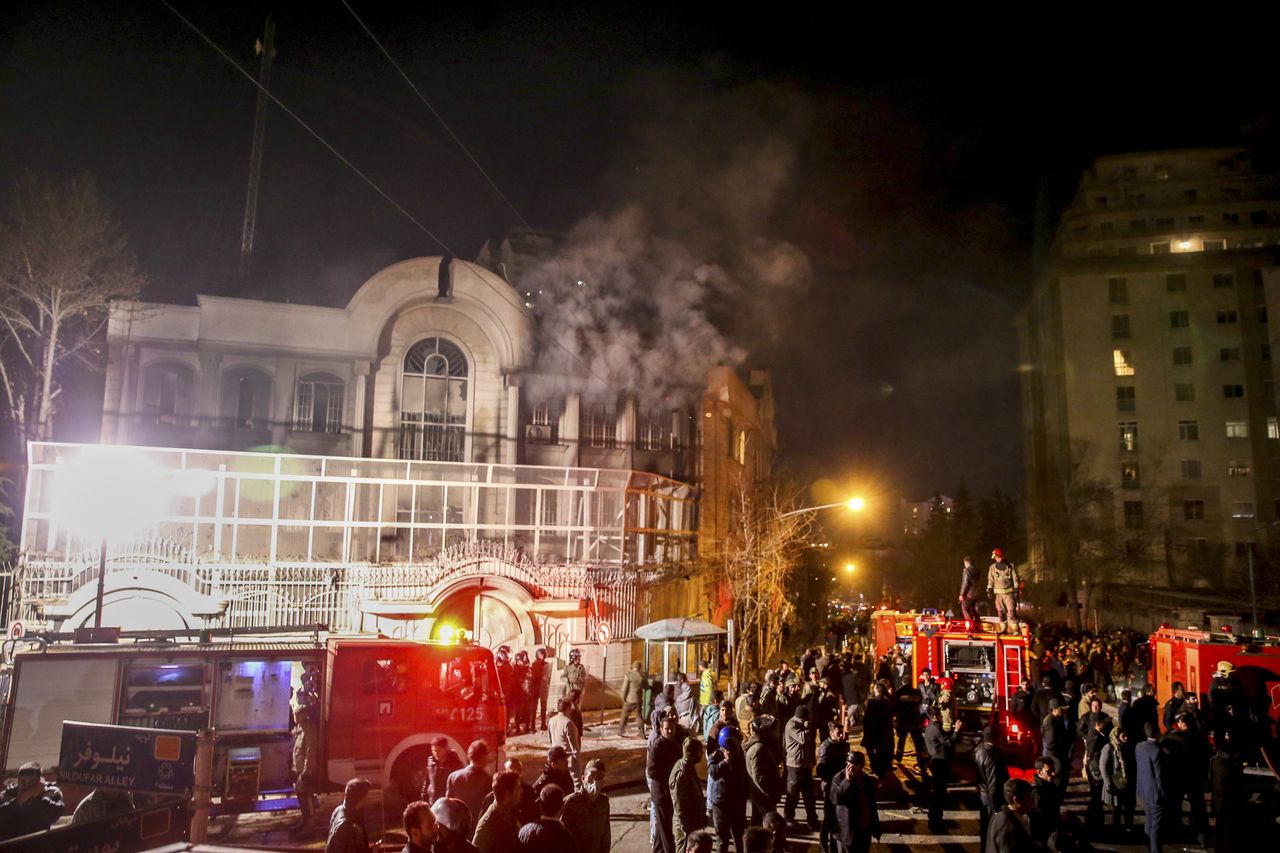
x: 575, y: 655
x: 1225, y: 667
x: 997, y: 554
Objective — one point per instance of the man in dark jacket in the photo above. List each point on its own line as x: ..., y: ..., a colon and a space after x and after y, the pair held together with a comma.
x: 29, y: 805
x: 763, y: 773
x: 877, y: 731
x: 941, y: 746
x: 1055, y: 742
x: 910, y: 724
x: 1227, y: 780
x: 419, y: 827
x: 528, y: 810
x: 453, y: 827
x: 548, y: 834
x: 832, y: 757
x: 1008, y: 832
x: 1187, y: 752
x: 472, y: 782
x: 727, y: 774
x: 554, y: 772
x: 498, y: 826
x: 1151, y: 787
x: 855, y: 684
x: 853, y: 797
x: 664, y: 752
x: 689, y: 805
x: 992, y: 774
x: 799, y: 761
x: 440, y: 764
x: 969, y: 591
x: 1046, y: 817
x: 346, y: 824
x: 586, y: 811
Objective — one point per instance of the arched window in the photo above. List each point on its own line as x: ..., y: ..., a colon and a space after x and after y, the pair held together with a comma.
x: 318, y: 403
x: 246, y: 398
x: 433, y: 402
x: 166, y: 393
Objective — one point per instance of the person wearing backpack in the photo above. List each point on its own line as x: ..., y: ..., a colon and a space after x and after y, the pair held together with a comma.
x: 1116, y: 764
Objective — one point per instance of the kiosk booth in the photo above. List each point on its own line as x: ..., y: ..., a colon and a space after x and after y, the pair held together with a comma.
x: 681, y: 644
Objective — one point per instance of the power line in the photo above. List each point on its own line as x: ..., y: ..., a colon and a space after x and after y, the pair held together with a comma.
x: 437, y: 116
x: 308, y: 128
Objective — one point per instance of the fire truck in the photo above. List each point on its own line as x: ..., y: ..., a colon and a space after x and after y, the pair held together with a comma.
x: 1192, y: 656
x: 381, y: 703
x: 893, y: 628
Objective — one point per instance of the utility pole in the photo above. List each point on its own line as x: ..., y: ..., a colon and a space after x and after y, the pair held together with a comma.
x: 266, y: 50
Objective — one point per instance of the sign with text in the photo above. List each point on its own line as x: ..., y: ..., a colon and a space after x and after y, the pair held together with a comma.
x: 158, y: 761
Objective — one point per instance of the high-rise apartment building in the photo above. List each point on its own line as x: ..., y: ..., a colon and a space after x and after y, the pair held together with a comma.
x: 1149, y: 407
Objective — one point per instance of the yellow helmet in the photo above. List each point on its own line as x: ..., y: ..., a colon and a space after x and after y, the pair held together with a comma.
x: 1225, y: 667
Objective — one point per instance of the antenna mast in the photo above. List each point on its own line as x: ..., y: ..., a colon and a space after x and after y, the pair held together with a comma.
x: 266, y: 49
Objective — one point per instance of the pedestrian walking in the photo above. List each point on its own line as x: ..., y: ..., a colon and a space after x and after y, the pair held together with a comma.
x: 1116, y: 766
x: 727, y: 799
x: 877, y: 730
x: 664, y: 752
x: 548, y: 834
x: 855, y: 684
x: 564, y: 733
x: 633, y: 686
x: 909, y: 723
x: 1055, y: 738
x: 472, y: 782
x: 853, y: 796
x: 799, y: 762
x: 689, y: 804
x: 346, y: 825
x: 586, y: 811
x: 686, y: 703
x: 833, y: 753
x: 763, y: 769
x: 992, y: 772
x: 1151, y: 786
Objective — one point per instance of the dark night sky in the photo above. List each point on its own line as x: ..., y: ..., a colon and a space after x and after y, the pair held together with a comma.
x: 917, y: 162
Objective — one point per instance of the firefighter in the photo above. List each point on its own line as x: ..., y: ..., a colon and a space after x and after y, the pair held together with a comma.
x: 969, y: 591
x: 1002, y: 582
x: 306, y: 745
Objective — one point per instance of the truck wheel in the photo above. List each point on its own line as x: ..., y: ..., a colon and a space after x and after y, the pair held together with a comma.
x: 410, y: 774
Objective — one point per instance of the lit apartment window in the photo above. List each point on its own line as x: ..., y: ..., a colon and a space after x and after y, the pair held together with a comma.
x: 1179, y: 319
x: 1188, y: 430
x: 1161, y: 248
x: 1193, y: 510
x: 1237, y: 429
x: 1117, y: 291
x: 1175, y: 283
x: 1184, y: 392
x: 1224, y: 279
x: 1229, y: 353
x: 1119, y: 326
x: 1226, y: 317
x: 1123, y: 366
x: 1215, y: 245
x: 1239, y: 469
x: 1126, y: 399
x: 1129, y: 436
x: 1273, y: 427
x: 1191, y: 469
x: 1133, y: 515
x: 1182, y: 355
x: 1129, y: 478
x: 1242, y: 509
x: 1232, y: 392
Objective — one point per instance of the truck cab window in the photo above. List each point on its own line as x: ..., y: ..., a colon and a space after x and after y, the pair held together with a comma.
x: 385, y: 676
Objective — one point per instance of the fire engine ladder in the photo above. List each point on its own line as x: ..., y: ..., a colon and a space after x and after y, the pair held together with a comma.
x: 1011, y: 672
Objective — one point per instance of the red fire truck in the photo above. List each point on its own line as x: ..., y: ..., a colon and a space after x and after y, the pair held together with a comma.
x: 381, y: 703
x: 1192, y: 657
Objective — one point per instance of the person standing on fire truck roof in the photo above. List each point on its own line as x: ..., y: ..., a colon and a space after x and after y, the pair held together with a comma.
x: 1002, y: 582
x: 969, y: 591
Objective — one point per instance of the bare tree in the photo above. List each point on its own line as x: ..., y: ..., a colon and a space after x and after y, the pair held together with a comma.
x: 63, y: 261
x: 762, y: 554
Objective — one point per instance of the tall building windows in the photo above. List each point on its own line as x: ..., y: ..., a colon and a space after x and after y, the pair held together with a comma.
x: 1117, y: 291
x: 1224, y: 279
x: 1273, y: 427
x: 1184, y: 392
x: 1237, y: 429
x: 246, y: 398
x: 166, y: 393
x: 433, y: 402
x: 1242, y: 509
x: 1129, y: 436
x: 1232, y: 391
x: 1129, y: 475
x: 1175, y: 282
x: 318, y: 404
x: 1193, y: 510
x: 600, y: 426
x: 1239, y: 469
x: 1161, y: 248
x: 1179, y: 319
x: 1182, y: 355
x: 1120, y: 326
x: 653, y: 430
x: 1133, y: 515
x: 1123, y: 363
x: 1215, y: 245
x: 1189, y: 430
x: 1231, y: 219
x: 1191, y: 469
x: 1228, y: 316
x: 1126, y: 399
x: 1229, y: 353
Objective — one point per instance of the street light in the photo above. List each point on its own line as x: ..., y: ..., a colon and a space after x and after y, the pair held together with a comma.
x: 850, y: 568
x: 852, y: 504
